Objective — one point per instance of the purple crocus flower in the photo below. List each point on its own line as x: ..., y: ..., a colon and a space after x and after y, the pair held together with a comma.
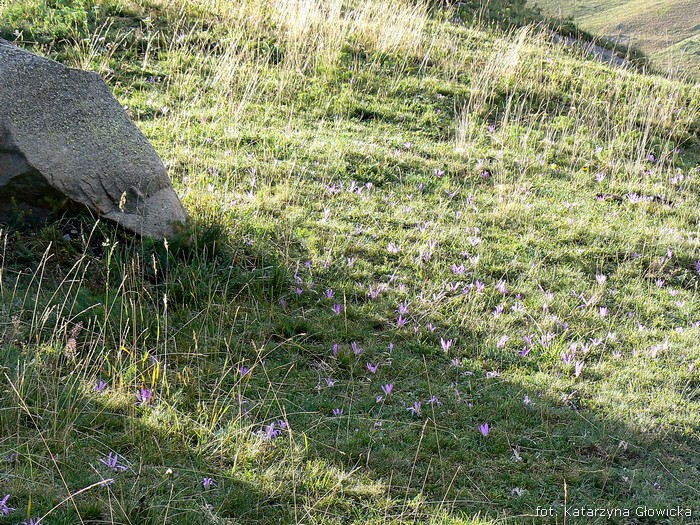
x: 374, y: 293
x: 484, y: 429
x: 603, y: 311
x: 578, y: 368
x: 144, y: 395
x: 567, y: 357
x: 329, y: 293
x: 502, y: 287
x: 546, y: 339
x: 4, y: 509
x: 337, y: 308
x: 100, y: 385
x: 338, y: 412
x: 112, y: 462
x: 244, y: 371
x: 438, y: 173
x: 654, y: 350
x: 372, y: 368
x: 388, y: 388
x: 208, y: 483
x: 446, y: 344
x: 401, y: 321
x: 335, y: 349
x: 516, y: 454
x: 502, y: 341
x: 271, y: 432
x: 434, y: 401
x: 458, y: 270
x: 416, y: 409
x: 356, y: 349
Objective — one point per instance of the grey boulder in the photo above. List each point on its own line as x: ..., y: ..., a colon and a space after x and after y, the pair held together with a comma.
x: 63, y: 136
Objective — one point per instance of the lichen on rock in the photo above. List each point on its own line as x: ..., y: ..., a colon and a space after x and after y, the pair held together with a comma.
x: 63, y: 133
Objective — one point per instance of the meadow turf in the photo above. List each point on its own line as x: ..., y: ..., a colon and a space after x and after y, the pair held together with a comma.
x: 435, y: 272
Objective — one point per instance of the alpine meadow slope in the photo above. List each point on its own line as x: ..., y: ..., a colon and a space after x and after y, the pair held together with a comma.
x: 435, y: 272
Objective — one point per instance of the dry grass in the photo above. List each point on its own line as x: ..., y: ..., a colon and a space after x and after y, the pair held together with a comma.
x: 620, y: 111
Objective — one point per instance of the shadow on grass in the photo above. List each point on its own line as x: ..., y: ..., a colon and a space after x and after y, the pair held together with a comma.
x: 67, y: 310
x: 232, y: 302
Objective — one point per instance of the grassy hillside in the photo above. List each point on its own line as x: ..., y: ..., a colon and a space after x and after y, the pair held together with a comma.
x: 434, y: 274
x: 667, y: 30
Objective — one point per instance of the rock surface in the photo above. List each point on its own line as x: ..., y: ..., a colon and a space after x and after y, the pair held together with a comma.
x: 63, y: 135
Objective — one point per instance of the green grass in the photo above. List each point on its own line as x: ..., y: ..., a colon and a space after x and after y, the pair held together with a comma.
x: 664, y: 30
x: 387, y: 147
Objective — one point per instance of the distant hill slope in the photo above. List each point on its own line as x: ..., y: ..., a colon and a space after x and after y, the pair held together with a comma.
x: 668, y: 30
